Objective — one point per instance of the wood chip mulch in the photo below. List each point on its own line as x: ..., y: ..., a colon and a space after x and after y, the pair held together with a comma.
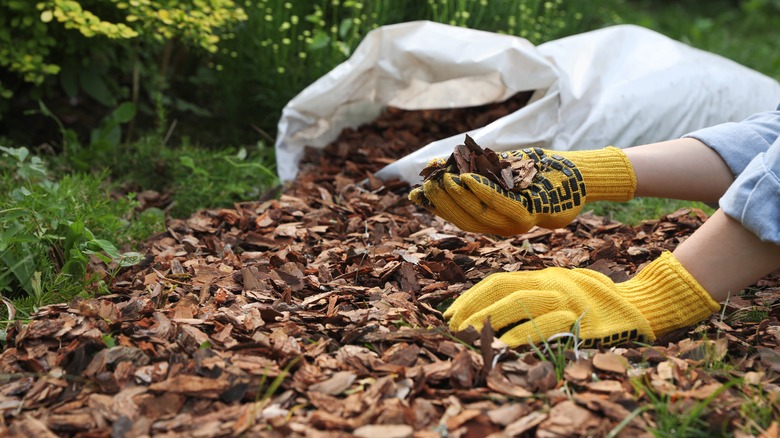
x: 318, y: 313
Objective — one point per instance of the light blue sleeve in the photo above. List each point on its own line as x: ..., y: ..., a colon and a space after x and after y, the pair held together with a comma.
x: 739, y: 142
x: 754, y: 197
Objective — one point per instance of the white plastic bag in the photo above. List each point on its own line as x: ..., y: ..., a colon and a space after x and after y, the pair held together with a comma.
x: 622, y: 85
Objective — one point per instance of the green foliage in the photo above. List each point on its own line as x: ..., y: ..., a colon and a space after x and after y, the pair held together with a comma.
x: 73, y: 16
x: 536, y: 20
x: 51, y: 229
x: 223, y: 71
x: 286, y: 45
x: 79, y: 53
x: 223, y: 68
x: 24, y: 43
x: 104, y: 139
x: 759, y: 408
x: 740, y: 30
x: 675, y: 418
x: 197, y: 177
x: 30, y: 30
x: 638, y: 209
x: 209, y: 179
x: 753, y: 314
x: 283, y: 47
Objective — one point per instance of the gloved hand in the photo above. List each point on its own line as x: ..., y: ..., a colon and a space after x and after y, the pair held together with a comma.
x: 563, y: 182
x: 662, y: 297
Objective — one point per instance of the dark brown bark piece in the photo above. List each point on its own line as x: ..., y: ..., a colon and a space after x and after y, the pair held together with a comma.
x: 512, y: 173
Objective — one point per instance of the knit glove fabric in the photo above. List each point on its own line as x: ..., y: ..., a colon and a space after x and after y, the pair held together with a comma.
x: 562, y: 184
x: 532, y: 306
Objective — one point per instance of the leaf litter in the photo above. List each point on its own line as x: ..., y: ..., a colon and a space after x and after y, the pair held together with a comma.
x: 318, y: 313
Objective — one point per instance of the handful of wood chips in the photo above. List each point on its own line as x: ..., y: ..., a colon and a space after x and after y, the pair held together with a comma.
x: 512, y: 173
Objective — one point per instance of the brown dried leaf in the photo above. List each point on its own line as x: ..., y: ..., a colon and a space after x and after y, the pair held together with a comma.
x: 578, y: 371
x: 462, y: 159
x: 702, y: 392
x: 508, y: 413
x: 462, y: 371
x: 615, y: 411
x: 606, y: 386
x: 507, y: 178
x: 568, y: 419
x: 523, y: 172
x: 338, y: 383
x: 523, y: 425
x: 384, y: 430
x: 610, y: 362
x: 462, y: 417
x: 432, y: 169
x: 498, y: 382
x: 770, y: 358
x: 194, y: 386
x: 486, y: 348
x: 29, y: 426
x: 773, y: 431
x: 542, y: 376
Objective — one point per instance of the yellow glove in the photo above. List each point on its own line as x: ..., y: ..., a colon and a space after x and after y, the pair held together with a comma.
x: 531, y: 306
x: 563, y: 182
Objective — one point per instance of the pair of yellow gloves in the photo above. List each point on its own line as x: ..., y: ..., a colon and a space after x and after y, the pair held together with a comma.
x: 531, y: 306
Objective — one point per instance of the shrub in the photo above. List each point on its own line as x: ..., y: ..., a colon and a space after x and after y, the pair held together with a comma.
x: 107, y: 50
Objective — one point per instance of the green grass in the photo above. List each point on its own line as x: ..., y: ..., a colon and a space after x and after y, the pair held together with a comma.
x: 639, y: 209
x: 197, y: 177
x: 744, y: 31
x: 673, y: 418
x: 759, y: 409
x: 51, y: 223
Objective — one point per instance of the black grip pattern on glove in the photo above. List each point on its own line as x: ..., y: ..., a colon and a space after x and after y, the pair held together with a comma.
x: 623, y: 337
x: 557, y: 186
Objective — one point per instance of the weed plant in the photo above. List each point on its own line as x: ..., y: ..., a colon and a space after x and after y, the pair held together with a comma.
x: 198, y: 177
x: 50, y: 229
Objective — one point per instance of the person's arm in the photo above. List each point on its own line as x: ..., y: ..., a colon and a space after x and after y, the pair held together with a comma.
x: 698, y: 167
x: 684, y: 168
x: 725, y: 257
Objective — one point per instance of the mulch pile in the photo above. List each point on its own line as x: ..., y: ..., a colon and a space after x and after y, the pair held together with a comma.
x: 319, y: 314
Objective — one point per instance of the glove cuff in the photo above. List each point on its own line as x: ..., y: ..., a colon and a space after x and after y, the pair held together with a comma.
x: 668, y: 296
x: 607, y: 173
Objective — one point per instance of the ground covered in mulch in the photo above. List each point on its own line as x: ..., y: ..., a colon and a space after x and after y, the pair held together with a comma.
x: 318, y: 313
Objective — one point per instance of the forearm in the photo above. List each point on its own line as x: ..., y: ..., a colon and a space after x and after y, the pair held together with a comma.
x: 724, y: 257
x: 683, y: 168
